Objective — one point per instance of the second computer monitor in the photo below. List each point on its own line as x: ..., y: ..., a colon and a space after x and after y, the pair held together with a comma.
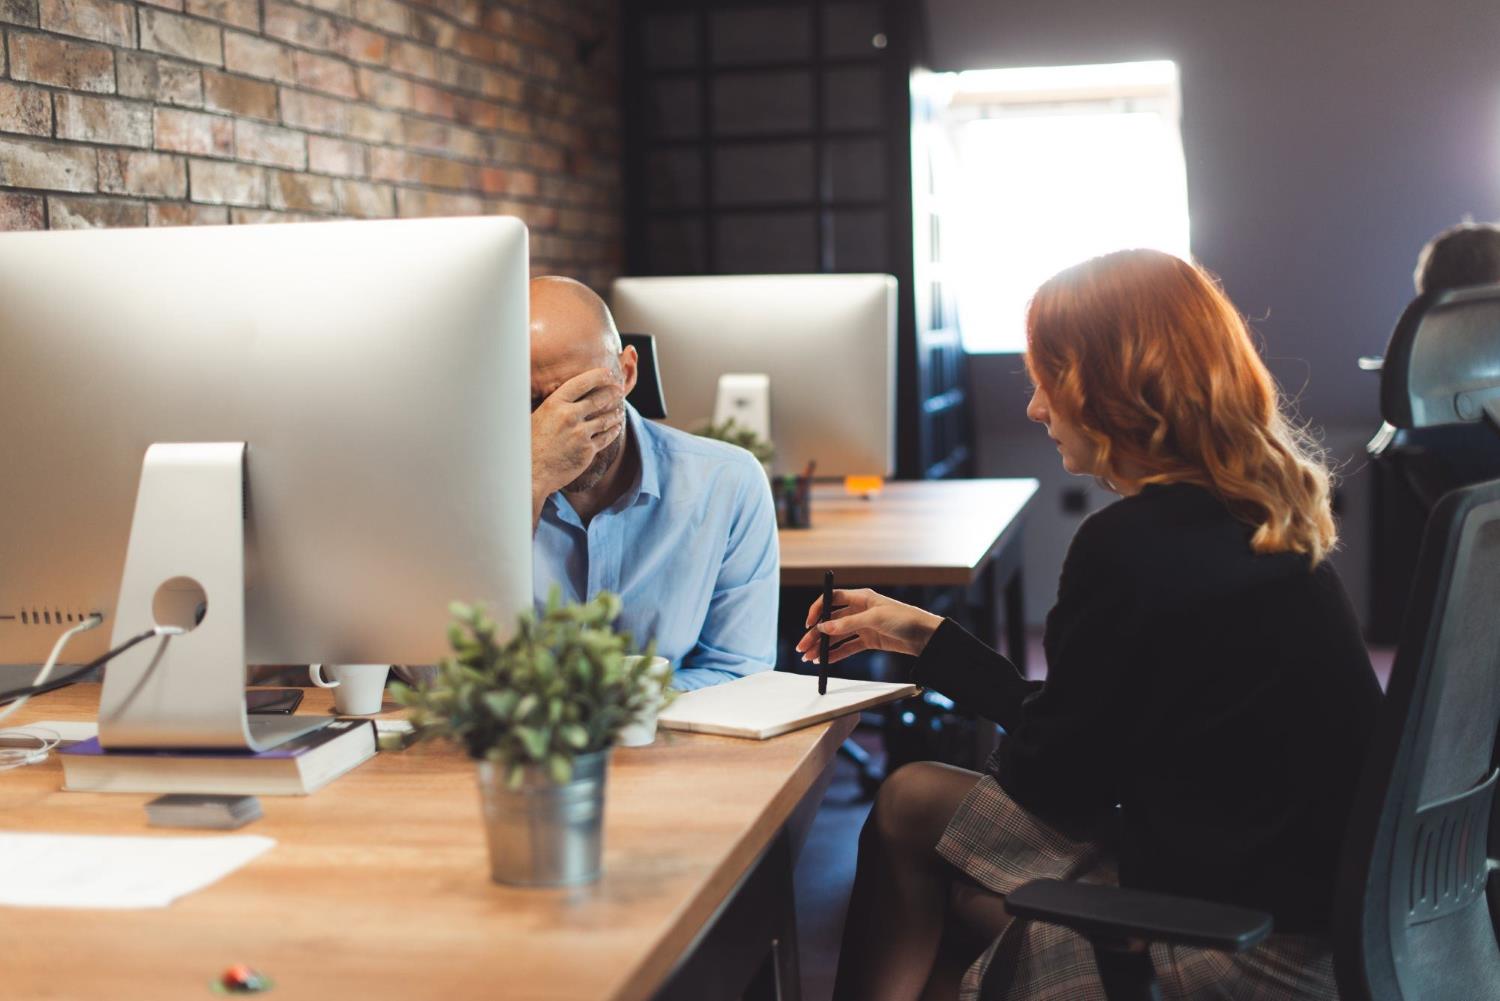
x: 827, y: 342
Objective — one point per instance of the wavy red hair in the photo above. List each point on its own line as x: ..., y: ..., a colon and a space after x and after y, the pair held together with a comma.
x: 1145, y: 353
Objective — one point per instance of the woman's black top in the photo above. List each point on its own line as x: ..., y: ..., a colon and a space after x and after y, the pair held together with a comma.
x: 1222, y: 699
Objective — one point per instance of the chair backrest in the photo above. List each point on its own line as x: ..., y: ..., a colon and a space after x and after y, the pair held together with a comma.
x: 1412, y: 919
x: 1442, y: 365
x: 647, y: 396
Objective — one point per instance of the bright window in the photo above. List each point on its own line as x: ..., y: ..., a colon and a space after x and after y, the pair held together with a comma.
x: 1055, y: 165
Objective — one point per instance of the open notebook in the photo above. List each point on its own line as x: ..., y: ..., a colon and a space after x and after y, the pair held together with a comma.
x: 768, y: 703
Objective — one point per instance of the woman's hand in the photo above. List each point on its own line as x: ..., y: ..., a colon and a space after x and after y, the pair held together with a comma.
x: 866, y: 620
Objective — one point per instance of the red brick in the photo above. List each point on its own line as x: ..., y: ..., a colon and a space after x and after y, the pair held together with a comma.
x: 502, y: 86
x: 447, y: 140
x: 18, y: 211
x: 301, y: 27
x: 434, y: 31
x: 30, y: 163
x: 500, y: 20
x: 414, y: 168
x: 218, y: 183
x: 194, y: 132
x: 334, y: 156
x: 303, y: 192
x: 478, y: 46
x: 259, y: 58
x: 162, y: 81
x: 270, y: 145
x: 261, y: 217
x: 174, y: 214
x: 71, y: 65
x: 373, y: 125
x: 411, y: 203
x: 240, y: 13
x: 538, y: 217
x: 19, y: 12
x: 361, y: 44
x: 148, y: 174
x: 103, y: 120
x: 331, y: 76
x: 365, y: 201
x: 480, y: 114
x: 239, y: 95
x: 501, y: 181
x: 412, y: 59
x: 94, y: 213
x: 339, y: 8
x: 385, y: 90
x: 100, y: 20
x: 174, y: 35
x: 314, y: 113
x: 460, y: 75
x: 432, y: 101
x: 388, y: 15
x: 24, y: 109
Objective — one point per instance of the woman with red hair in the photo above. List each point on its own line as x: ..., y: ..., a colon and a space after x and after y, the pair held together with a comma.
x: 1208, y: 696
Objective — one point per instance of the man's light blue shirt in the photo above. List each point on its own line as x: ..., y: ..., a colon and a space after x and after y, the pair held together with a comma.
x: 690, y: 547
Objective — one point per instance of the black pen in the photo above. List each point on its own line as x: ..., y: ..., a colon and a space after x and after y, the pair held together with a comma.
x: 822, y: 636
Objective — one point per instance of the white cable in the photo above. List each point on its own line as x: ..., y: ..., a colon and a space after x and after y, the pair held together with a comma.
x: 16, y: 757
x: 57, y: 649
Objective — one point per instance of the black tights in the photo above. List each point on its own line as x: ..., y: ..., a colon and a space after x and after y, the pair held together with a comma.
x: 914, y: 923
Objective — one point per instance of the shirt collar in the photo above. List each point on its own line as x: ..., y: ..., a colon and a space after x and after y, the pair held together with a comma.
x: 643, y: 437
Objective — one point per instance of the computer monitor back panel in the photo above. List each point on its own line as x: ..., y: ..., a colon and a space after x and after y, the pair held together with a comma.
x: 378, y: 373
x: 828, y: 343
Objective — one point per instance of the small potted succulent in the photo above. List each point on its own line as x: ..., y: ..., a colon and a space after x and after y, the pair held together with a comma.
x: 539, y: 713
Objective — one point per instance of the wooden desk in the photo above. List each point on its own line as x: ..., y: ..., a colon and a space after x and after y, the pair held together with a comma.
x: 925, y: 532
x: 379, y: 884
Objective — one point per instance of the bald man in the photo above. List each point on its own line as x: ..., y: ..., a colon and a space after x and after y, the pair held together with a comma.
x: 681, y: 527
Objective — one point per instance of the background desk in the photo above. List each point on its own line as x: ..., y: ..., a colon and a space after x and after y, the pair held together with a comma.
x: 949, y: 533
x: 379, y: 884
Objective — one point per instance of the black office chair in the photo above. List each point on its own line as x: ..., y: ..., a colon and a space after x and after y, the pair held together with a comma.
x: 1416, y: 911
x: 647, y: 396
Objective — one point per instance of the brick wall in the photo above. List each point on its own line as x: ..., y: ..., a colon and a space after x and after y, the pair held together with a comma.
x: 173, y: 112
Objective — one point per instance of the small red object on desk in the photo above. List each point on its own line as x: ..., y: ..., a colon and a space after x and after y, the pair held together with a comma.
x: 241, y: 979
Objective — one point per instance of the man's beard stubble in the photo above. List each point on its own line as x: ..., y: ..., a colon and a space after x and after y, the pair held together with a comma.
x: 590, y: 477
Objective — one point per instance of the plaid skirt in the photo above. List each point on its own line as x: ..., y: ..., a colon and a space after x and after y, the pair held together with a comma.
x: 1000, y: 846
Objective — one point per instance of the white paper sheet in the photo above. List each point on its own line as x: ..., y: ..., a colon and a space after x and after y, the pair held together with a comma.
x: 80, y: 870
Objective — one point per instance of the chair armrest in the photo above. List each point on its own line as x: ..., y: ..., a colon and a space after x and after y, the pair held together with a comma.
x: 1117, y: 913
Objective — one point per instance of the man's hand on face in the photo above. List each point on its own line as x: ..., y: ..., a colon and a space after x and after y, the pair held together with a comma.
x: 572, y: 425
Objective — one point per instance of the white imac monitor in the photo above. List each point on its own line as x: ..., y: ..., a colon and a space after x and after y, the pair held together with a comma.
x: 313, y: 436
x: 826, y: 342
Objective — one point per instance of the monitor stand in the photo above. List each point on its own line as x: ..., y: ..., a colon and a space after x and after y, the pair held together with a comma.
x: 185, y: 566
x: 745, y: 398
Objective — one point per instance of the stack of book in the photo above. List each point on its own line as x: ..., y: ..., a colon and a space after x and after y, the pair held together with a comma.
x: 295, y: 768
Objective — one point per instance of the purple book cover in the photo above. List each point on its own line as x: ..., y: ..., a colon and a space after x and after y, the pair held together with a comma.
x: 296, y: 747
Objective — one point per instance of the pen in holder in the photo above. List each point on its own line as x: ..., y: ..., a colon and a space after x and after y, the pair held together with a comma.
x: 793, y: 496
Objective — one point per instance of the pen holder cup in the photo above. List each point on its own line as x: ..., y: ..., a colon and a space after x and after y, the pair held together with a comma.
x: 793, y: 496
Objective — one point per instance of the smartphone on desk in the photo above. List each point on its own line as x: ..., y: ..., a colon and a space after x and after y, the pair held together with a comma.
x: 281, y: 701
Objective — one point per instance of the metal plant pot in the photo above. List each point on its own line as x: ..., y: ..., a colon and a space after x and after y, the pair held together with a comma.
x: 544, y: 833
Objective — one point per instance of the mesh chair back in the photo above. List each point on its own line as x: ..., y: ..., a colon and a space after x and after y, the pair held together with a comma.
x: 1416, y: 908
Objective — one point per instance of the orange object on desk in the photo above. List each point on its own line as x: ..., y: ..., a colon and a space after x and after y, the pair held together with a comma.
x: 863, y: 486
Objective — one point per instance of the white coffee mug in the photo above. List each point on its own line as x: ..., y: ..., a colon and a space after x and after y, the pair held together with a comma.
x: 357, y: 688
x: 642, y: 730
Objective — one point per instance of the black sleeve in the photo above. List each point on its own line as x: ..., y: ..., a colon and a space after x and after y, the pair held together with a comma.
x: 1058, y: 759
x: 972, y: 674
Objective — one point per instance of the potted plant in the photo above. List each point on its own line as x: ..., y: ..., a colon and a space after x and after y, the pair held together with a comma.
x: 539, y: 713
x: 732, y: 432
